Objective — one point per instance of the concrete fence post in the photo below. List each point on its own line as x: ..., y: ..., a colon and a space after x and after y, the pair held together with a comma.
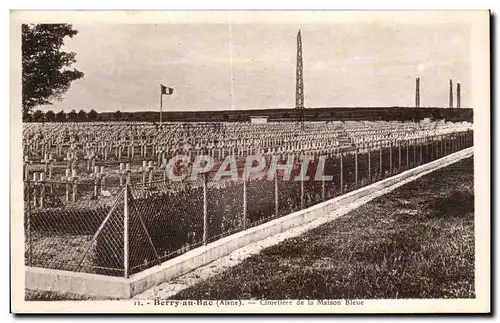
x: 436, y: 147
x: 28, y: 224
x: 381, y: 168
x: 205, y: 208
x: 427, y: 149
x: 434, y: 150
x: 127, y: 172
x: 390, y: 158
x: 42, y: 189
x: 445, y: 145
x: 35, y: 178
x: 453, y: 139
x: 96, y: 181
x: 442, y: 150
x: 341, y: 174
x: 74, y: 178
x: 407, y: 154
x: 323, y: 192
x: 355, y: 168
x: 276, y: 196
x: 245, y: 205
x: 125, y: 231
x: 414, y: 142
x: 445, y: 142
x: 399, y: 155
x: 26, y: 172
x: 369, y: 167
x: 302, y: 201
x: 420, y: 143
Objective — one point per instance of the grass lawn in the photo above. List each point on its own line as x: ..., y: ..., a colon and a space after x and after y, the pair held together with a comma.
x: 415, y: 242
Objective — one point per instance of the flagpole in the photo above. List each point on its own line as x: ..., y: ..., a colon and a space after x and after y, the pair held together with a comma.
x: 161, y: 106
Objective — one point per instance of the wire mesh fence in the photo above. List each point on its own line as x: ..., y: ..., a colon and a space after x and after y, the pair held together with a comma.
x: 61, y: 221
x: 260, y: 200
x: 165, y: 220
x: 120, y: 230
x: 225, y: 208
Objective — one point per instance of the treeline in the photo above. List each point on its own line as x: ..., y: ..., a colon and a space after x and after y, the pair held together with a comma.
x: 80, y: 116
x: 309, y: 114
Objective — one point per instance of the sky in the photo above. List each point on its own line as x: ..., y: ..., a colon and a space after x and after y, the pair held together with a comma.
x: 252, y: 66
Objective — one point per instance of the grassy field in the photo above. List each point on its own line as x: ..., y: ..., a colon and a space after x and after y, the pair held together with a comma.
x: 416, y: 242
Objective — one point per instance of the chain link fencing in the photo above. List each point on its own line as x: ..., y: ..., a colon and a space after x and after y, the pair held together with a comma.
x: 119, y: 230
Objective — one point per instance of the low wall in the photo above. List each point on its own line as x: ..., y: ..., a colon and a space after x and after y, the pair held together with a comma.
x: 100, y: 286
x: 68, y: 282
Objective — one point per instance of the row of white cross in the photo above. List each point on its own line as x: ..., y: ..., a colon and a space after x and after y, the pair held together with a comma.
x: 235, y: 136
x: 148, y: 169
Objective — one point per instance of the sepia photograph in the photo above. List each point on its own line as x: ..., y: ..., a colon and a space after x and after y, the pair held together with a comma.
x: 250, y: 161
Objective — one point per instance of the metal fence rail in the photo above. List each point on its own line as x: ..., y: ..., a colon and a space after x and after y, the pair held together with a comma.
x: 124, y: 229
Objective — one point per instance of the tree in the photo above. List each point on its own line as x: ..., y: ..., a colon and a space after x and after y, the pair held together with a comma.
x: 50, y: 116
x: 118, y: 115
x: 45, y: 73
x: 82, y: 115
x: 27, y: 117
x: 38, y: 116
x: 61, y: 116
x: 140, y: 116
x: 72, y: 116
x: 92, y: 115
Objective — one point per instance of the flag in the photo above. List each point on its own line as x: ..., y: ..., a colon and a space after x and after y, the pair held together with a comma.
x: 166, y: 90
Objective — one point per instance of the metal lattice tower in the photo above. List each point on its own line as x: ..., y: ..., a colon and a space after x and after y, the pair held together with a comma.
x: 417, y: 93
x: 299, y: 91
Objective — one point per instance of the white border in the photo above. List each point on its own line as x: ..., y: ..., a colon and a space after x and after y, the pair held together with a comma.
x: 257, y: 4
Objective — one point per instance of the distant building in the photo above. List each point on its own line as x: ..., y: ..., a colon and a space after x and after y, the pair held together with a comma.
x: 258, y: 119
